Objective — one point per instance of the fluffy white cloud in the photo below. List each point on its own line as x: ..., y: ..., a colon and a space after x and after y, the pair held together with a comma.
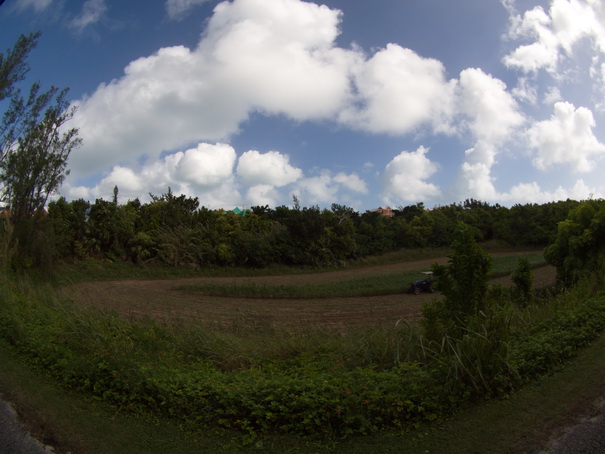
x: 263, y: 194
x: 269, y: 56
x: 280, y: 56
x: 532, y: 193
x: 566, y: 138
x: 271, y: 168
x: 492, y: 118
x: 525, y: 91
x: 327, y: 188
x: 126, y: 179
x: 352, y: 182
x: 206, y: 170
x: 552, y: 95
x: 92, y: 12
x: 399, y: 91
x: 206, y: 165
x: 543, y: 53
x: 491, y: 110
x: 555, y: 33
x: 316, y: 190
x: 177, y: 9
x: 404, y: 178
x: 477, y: 181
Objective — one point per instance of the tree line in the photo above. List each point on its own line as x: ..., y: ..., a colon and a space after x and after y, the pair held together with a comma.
x: 174, y: 230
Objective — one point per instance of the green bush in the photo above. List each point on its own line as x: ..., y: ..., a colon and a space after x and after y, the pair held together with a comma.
x: 523, y: 281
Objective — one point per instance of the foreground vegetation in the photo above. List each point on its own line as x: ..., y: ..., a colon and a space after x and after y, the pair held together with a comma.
x: 524, y: 422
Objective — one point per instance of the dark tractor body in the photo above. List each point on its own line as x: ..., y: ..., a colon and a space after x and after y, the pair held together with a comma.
x: 423, y: 285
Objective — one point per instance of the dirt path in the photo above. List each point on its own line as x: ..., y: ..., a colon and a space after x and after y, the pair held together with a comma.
x: 159, y: 299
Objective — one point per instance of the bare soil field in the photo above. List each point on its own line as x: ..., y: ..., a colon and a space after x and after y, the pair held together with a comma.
x: 158, y: 299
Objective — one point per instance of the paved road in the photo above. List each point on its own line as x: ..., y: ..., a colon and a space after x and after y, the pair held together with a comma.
x: 588, y: 437
x: 13, y: 438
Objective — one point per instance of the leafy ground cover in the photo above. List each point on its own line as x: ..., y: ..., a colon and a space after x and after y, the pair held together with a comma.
x: 523, y: 423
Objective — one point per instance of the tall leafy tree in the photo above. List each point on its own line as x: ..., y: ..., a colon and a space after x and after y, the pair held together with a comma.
x: 579, y: 247
x: 36, y: 165
x: 13, y: 65
x: 34, y: 144
x: 34, y: 148
x: 464, y: 284
x: 13, y: 69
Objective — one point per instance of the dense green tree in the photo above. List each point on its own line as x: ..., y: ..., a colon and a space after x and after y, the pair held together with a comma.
x: 523, y: 280
x: 69, y: 224
x: 411, y: 211
x: 464, y: 284
x: 34, y: 148
x: 464, y: 281
x: 579, y: 247
x: 36, y: 164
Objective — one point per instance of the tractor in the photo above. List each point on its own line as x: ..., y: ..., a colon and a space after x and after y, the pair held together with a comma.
x: 423, y: 285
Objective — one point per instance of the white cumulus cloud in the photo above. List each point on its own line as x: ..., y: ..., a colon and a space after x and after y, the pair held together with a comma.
x: 399, y: 91
x: 206, y: 170
x: 271, y: 168
x: 491, y: 116
x: 206, y: 165
x: 491, y: 110
x: 326, y: 188
x: 555, y: 33
x: 566, y: 138
x: 352, y: 182
x: 477, y: 181
x: 532, y: 193
x: 404, y: 178
x: 274, y: 57
x: 263, y: 194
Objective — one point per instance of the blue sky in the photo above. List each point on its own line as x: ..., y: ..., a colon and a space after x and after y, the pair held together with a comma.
x: 361, y: 103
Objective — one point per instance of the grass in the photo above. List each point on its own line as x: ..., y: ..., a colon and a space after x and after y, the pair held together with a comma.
x: 370, y: 286
x: 505, y: 265
x: 520, y: 424
x: 93, y: 270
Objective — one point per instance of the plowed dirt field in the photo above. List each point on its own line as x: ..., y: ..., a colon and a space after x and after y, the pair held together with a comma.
x: 159, y: 299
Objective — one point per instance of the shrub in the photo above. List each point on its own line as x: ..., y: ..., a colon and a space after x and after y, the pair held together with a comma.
x: 523, y: 281
x: 464, y: 284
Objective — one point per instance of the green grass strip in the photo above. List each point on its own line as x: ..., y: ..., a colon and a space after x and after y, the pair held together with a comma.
x: 371, y: 286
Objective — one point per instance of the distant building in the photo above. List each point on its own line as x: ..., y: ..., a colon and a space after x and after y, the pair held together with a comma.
x: 387, y: 212
x: 236, y: 210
